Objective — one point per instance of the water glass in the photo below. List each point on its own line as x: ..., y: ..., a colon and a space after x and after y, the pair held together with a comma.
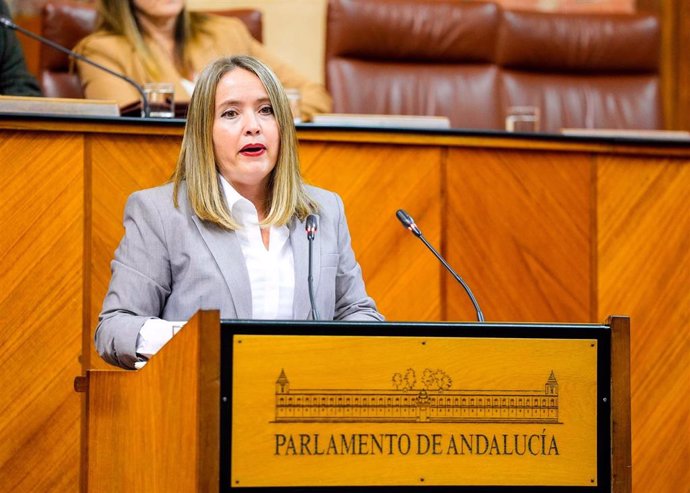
x: 161, y: 99
x: 522, y: 119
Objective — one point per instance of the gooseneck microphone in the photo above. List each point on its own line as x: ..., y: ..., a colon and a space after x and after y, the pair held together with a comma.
x: 7, y: 23
x: 409, y: 223
x: 311, y: 226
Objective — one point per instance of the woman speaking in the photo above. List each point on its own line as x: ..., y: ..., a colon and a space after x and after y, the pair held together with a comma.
x: 228, y: 231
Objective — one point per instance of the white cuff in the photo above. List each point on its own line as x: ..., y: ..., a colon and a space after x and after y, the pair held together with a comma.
x: 154, y: 334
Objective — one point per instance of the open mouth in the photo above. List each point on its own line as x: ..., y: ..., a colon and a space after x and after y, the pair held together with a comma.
x: 253, y: 149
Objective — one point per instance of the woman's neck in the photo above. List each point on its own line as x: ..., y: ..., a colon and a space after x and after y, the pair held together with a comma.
x: 161, y: 30
x: 257, y: 196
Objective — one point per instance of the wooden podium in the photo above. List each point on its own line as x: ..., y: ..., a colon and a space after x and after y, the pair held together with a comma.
x: 268, y: 406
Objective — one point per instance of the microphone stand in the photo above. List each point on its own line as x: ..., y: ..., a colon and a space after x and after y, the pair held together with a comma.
x: 409, y: 223
x: 312, y: 313
x: 4, y: 21
x: 311, y: 227
x: 480, y: 315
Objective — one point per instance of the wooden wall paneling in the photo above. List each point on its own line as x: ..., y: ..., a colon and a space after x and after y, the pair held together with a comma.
x: 667, y: 13
x: 30, y: 47
x: 644, y: 272
x: 41, y: 291
x: 675, y: 58
x: 682, y: 58
x: 120, y: 165
x: 518, y: 232
x: 374, y: 182
x: 668, y: 60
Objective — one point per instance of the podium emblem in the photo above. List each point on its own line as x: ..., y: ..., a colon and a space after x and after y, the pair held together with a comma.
x: 430, y: 399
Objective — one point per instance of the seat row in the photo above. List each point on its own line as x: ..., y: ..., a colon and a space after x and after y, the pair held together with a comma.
x: 467, y: 60
x: 472, y: 60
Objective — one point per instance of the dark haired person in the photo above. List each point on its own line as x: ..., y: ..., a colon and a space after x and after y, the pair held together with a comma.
x: 15, y: 79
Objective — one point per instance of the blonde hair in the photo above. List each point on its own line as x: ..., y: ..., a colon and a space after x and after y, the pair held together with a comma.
x: 118, y: 17
x: 197, y: 166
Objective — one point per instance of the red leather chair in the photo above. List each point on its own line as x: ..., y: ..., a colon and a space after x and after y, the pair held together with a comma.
x: 582, y: 70
x: 64, y: 23
x: 67, y: 22
x: 470, y: 61
x: 414, y: 57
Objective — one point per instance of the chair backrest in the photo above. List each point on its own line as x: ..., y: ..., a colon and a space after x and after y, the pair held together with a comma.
x: 582, y: 70
x: 66, y: 22
x: 414, y: 57
x: 470, y: 61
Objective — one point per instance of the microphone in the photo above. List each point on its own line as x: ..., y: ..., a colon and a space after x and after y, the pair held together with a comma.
x: 311, y: 226
x: 409, y: 223
x: 7, y: 23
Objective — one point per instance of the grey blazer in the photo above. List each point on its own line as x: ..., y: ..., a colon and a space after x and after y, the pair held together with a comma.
x: 170, y: 264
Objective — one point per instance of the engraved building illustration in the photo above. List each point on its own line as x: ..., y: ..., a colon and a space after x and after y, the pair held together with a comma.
x: 409, y: 404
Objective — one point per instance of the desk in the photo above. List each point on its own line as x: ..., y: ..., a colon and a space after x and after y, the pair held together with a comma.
x: 545, y: 228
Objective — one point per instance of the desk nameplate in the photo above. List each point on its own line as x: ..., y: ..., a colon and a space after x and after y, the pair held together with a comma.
x: 413, y: 411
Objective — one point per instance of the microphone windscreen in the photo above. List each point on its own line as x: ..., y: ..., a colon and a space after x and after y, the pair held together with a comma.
x: 311, y: 225
x: 404, y: 218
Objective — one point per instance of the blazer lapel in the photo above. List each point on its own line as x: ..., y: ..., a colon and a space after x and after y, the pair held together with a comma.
x: 226, y: 250
x: 300, y: 254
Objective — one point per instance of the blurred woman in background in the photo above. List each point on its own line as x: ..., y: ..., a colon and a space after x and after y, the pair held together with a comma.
x: 161, y: 41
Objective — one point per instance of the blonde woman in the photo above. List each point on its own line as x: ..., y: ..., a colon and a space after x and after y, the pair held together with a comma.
x: 228, y: 232
x: 161, y: 41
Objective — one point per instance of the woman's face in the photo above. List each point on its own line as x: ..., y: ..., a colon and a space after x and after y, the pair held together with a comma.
x: 246, y: 139
x: 159, y: 9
